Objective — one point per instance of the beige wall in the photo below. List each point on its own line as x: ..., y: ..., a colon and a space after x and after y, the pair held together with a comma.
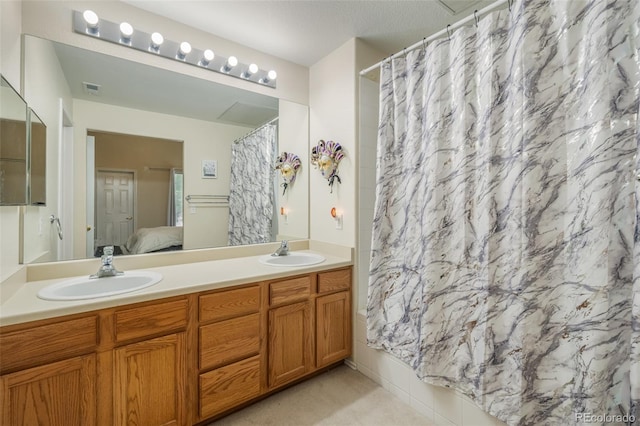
x: 333, y: 95
x: 10, y: 29
x: 293, y: 134
x: 333, y: 117
x: 44, y: 88
x: 115, y: 151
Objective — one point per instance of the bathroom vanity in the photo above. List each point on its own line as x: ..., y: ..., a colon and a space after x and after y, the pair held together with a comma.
x: 181, y: 359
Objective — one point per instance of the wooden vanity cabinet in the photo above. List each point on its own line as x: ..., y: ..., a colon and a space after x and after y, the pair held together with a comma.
x: 231, y: 359
x: 333, y: 317
x: 150, y: 364
x: 176, y: 361
x: 49, y: 372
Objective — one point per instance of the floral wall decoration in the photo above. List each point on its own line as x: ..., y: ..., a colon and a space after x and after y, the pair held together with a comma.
x: 288, y: 164
x: 326, y: 156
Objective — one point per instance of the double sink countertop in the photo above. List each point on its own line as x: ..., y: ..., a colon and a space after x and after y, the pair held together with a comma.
x: 188, y: 272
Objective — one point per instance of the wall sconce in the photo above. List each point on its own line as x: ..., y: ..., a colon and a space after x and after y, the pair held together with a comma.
x: 288, y: 164
x: 337, y: 216
x: 284, y: 212
x: 326, y: 156
x: 89, y: 24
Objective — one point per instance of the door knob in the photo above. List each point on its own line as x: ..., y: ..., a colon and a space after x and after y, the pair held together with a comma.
x: 129, y: 218
x: 88, y: 228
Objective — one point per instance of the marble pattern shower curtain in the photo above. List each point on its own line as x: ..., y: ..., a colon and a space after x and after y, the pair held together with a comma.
x: 252, y: 192
x: 506, y: 244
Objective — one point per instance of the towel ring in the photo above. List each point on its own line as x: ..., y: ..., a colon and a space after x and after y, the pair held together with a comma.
x: 52, y: 219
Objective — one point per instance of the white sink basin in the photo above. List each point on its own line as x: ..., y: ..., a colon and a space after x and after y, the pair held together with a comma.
x: 90, y: 288
x: 292, y: 259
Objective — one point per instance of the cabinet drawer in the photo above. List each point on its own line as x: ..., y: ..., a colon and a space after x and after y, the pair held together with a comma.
x: 229, y: 304
x: 230, y: 340
x: 47, y: 343
x: 150, y: 320
x: 289, y: 290
x: 229, y: 386
x: 334, y: 280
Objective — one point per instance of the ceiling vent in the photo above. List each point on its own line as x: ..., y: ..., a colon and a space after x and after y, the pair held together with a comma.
x: 91, y: 88
x: 456, y: 6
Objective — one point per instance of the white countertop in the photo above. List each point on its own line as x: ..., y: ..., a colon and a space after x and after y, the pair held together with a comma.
x: 23, y: 305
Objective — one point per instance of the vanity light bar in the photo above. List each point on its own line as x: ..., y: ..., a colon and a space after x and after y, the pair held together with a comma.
x: 125, y: 35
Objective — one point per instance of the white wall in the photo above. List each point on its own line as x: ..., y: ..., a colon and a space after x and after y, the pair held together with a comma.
x: 10, y: 30
x: 207, y: 226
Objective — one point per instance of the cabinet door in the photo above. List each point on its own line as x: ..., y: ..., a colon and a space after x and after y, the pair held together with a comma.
x: 333, y: 328
x: 290, y: 342
x: 150, y: 379
x: 61, y: 393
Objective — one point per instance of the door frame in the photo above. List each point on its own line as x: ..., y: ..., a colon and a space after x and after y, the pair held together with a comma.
x: 95, y: 198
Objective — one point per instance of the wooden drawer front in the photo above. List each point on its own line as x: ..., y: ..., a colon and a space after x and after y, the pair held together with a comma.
x: 150, y: 320
x: 290, y: 290
x: 334, y: 280
x: 229, y: 386
x: 231, y: 340
x: 229, y: 304
x: 47, y: 343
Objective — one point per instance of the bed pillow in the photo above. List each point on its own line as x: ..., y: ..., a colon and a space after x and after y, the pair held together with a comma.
x: 146, y: 240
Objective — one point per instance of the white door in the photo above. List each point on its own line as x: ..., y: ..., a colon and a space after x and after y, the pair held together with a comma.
x: 114, y: 207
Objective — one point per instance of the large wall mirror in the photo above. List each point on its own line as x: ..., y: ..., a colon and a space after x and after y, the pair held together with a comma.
x: 161, y: 160
x: 13, y: 146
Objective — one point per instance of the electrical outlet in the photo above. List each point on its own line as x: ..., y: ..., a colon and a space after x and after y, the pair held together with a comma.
x: 338, y: 220
x: 192, y: 209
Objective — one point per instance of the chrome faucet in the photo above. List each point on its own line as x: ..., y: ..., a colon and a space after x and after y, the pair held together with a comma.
x: 283, y: 250
x: 106, y: 269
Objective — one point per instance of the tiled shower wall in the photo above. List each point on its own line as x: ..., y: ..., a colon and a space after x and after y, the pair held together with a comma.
x: 441, y: 406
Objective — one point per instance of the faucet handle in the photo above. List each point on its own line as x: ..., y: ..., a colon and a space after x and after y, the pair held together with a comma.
x: 107, y: 251
x: 284, y: 244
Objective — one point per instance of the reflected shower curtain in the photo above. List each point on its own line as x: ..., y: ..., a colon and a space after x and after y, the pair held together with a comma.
x: 251, y: 192
x: 506, y: 244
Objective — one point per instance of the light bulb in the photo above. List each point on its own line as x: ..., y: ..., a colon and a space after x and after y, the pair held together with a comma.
x: 126, y: 31
x: 231, y: 62
x: 207, y: 56
x: 156, y: 41
x: 184, y: 50
x: 253, y: 68
x: 271, y: 75
x: 91, y: 18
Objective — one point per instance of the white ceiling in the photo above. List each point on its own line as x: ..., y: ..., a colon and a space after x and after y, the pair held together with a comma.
x: 304, y: 31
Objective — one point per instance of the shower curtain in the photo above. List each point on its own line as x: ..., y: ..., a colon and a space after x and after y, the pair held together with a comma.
x: 251, y: 192
x: 506, y: 242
